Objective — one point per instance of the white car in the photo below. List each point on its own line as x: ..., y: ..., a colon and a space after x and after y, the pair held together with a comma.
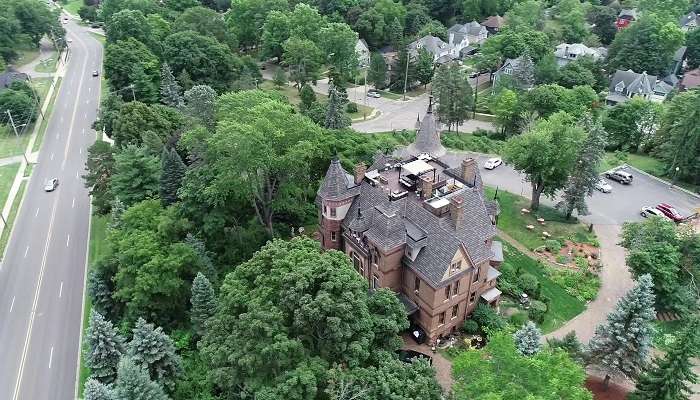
x: 603, y: 186
x: 375, y: 95
x: 492, y: 163
x: 51, y: 185
x: 649, y: 211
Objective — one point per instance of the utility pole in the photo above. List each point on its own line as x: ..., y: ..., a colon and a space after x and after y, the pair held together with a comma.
x: 133, y: 94
x: 36, y: 99
x: 12, y: 121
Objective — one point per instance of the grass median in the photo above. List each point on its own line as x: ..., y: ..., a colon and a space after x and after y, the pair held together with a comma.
x: 11, y: 217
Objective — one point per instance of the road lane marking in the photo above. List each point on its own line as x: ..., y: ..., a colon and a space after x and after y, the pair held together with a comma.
x: 82, y: 131
x: 13, y: 303
x: 68, y: 241
x: 76, y: 175
x: 60, y: 290
x: 50, y: 357
x: 87, y: 101
x: 75, y: 111
x: 26, y: 251
x: 73, y: 204
x: 57, y: 135
x: 80, y: 150
x: 89, y: 89
x: 36, y: 214
x: 51, y: 156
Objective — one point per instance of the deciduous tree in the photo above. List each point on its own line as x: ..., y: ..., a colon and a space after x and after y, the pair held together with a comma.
x: 376, y: 74
x: 303, y: 58
x: 424, y: 67
x: 99, y: 165
x: 681, y: 136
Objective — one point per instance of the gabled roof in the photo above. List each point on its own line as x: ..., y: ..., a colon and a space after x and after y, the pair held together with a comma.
x: 430, y: 43
x: 494, y: 22
x: 679, y: 55
x: 628, y: 13
x: 691, y: 79
x: 579, y: 49
x: 633, y: 82
x: 337, y: 184
x: 428, y: 136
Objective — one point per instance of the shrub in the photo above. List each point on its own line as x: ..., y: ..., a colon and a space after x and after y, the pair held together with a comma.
x: 529, y: 284
x: 487, y: 318
x: 553, y: 246
x: 351, y: 108
x: 562, y: 259
x: 518, y: 319
x: 537, y: 311
x: 470, y: 327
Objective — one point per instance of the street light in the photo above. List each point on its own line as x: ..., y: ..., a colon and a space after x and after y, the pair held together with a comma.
x: 675, y: 176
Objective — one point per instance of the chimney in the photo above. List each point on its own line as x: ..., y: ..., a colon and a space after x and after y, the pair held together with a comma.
x: 469, y: 171
x: 456, y: 214
x: 426, y: 187
x: 360, y: 170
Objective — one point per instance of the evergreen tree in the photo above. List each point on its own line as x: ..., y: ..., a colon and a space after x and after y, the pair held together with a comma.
x: 453, y: 95
x: 403, y: 67
x: 117, y: 209
x: 394, y: 32
x: 200, y: 103
x: 376, y: 74
x: 527, y: 339
x: 668, y: 378
x: 621, y: 345
x: 570, y: 344
x: 524, y: 72
x: 100, y: 289
x: 153, y: 143
x: 584, y: 177
x: 203, y: 302
x: 205, y: 257
x: 133, y: 383
x: 280, y: 77
x: 151, y: 348
x: 96, y: 390
x: 145, y: 89
x: 336, y: 116
x: 185, y: 80
x: 169, y: 88
x: 307, y: 96
x: 103, y: 348
x: 172, y: 172
x: 424, y: 67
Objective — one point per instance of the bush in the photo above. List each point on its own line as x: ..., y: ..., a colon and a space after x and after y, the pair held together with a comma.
x: 351, y: 108
x: 518, y: 319
x: 487, y: 318
x: 470, y: 327
x: 553, y: 246
x: 537, y: 311
x: 529, y: 284
x: 562, y: 259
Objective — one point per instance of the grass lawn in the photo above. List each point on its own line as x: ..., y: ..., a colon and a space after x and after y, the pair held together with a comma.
x: 563, y: 306
x: 7, y: 175
x: 47, y: 64
x: 513, y: 223
x: 11, y: 218
x: 471, y: 142
x: 72, y: 6
x: 98, y: 232
x: 25, y: 55
x: 42, y: 85
x: 11, y: 145
x: 47, y: 116
x: 100, y: 38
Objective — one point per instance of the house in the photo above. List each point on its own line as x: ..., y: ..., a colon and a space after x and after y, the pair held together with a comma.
x: 362, y: 51
x: 442, y: 52
x: 565, y: 53
x: 494, y: 23
x: 509, y: 69
x: 627, y: 84
x: 689, y: 22
x: 691, y: 80
x: 677, y: 61
x: 625, y: 17
x: 6, y: 78
x: 469, y: 34
x: 417, y: 227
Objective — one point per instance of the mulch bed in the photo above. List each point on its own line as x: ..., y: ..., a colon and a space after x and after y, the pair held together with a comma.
x: 614, y: 392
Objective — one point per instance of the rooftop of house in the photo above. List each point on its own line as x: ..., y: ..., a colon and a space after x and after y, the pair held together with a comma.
x: 6, y: 78
x: 628, y: 13
x: 691, y: 79
x: 470, y: 28
x: 564, y: 50
x: 689, y: 18
x: 633, y: 82
x: 430, y: 43
x: 494, y: 21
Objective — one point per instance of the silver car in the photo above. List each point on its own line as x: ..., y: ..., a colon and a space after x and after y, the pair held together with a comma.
x: 51, y: 185
x: 603, y: 186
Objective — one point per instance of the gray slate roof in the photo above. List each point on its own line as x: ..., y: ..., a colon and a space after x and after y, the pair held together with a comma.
x: 430, y: 43
x: 633, y: 82
x: 428, y: 136
x: 461, y: 30
x: 337, y: 184
x: 688, y: 18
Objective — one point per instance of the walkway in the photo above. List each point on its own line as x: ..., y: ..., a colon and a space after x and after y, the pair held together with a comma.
x: 442, y: 366
x: 45, y: 51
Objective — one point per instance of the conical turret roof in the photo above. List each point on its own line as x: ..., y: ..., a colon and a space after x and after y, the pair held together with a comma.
x: 428, y: 136
x: 337, y: 184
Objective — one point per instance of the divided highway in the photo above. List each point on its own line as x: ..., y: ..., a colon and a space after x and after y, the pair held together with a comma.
x: 42, y: 275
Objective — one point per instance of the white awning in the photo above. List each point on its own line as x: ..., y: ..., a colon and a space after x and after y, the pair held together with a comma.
x: 417, y: 167
x: 491, y: 295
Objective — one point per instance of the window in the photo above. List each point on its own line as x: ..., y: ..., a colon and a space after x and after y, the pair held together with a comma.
x: 358, y: 265
x: 472, y: 297
x: 448, y: 290
x: 375, y: 282
x: 333, y: 213
x: 416, y: 284
x: 455, y: 310
x: 455, y: 266
x: 334, y: 236
x: 475, y: 276
x: 456, y: 289
x: 325, y: 209
x: 441, y: 319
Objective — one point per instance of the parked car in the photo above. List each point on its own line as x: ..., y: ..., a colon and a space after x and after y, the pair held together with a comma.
x: 417, y: 333
x: 373, y: 93
x: 95, y: 73
x: 51, y: 185
x: 408, y: 356
x: 619, y: 176
x: 492, y: 163
x: 603, y: 186
x: 649, y: 211
x: 670, y: 212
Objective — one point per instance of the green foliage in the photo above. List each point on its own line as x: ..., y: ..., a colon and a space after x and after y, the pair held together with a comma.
x: 307, y: 96
x: 487, y: 318
x: 351, y: 108
x: 135, y: 175
x: 527, y: 339
x: 203, y: 303
x: 692, y: 41
x: 504, y: 105
x: 478, y: 141
x: 470, y: 326
x: 583, y: 285
x: 519, y: 318
x: 403, y: 71
x: 304, y: 58
x: 549, y: 99
x: 336, y: 116
x: 127, y: 24
x: 376, y: 74
x: 26, y: 22
x: 103, y: 348
x: 136, y: 118
x: 603, y: 19
x: 570, y: 344
x: 95, y: 390
x: 453, y: 94
x: 529, y: 284
x: 424, y: 67
x: 206, y: 22
x: 337, y: 41
x: 130, y: 62
x: 280, y: 77
x: 99, y: 165
x: 133, y: 383
x: 169, y: 88
x: 632, y: 125
x: 21, y: 105
x: 553, y: 246
x: 172, y: 172
x: 680, y: 135
x: 153, y: 350
x: 88, y: 13
x: 199, y: 103
x: 246, y: 18
x: 537, y: 311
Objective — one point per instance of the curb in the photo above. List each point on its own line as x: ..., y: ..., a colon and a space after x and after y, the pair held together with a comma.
x: 660, y: 180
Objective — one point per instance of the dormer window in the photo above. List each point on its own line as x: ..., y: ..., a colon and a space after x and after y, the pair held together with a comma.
x: 455, y: 266
x: 619, y: 87
x: 508, y: 70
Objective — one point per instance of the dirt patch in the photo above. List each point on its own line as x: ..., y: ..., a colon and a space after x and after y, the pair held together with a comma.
x: 614, y: 391
x: 572, y: 255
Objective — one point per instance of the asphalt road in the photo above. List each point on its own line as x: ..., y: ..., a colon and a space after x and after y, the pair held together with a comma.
x: 42, y: 275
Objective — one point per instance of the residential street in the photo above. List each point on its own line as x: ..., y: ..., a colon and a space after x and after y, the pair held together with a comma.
x: 42, y: 273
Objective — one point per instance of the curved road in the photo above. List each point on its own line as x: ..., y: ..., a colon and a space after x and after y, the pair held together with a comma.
x: 42, y: 274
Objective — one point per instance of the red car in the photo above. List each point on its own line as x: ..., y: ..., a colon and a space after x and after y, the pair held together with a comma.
x: 670, y: 212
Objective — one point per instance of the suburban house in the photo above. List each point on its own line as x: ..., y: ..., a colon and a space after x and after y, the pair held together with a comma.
x: 627, y: 84
x: 494, y: 23
x: 565, y: 52
x: 418, y: 227
x: 691, y: 80
x: 442, y: 52
x: 465, y: 38
x: 6, y: 78
x: 677, y: 61
x: 508, y: 69
x: 625, y: 17
x: 362, y: 51
x: 689, y: 22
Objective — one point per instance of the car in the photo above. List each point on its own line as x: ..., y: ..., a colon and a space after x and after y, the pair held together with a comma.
x: 649, y: 211
x: 492, y: 163
x: 408, y: 356
x: 374, y: 94
x: 95, y: 73
x: 69, y: 40
x: 619, y: 176
x: 474, y: 74
x: 670, y: 212
x: 603, y: 186
x: 51, y: 185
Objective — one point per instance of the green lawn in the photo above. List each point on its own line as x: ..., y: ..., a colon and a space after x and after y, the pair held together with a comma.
x: 72, y: 6
x: 11, y: 145
x: 472, y: 142
x: 11, y: 218
x: 7, y: 175
x: 513, y: 223
x: 98, y: 245
x: 41, y: 85
x: 25, y: 55
x: 47, y: 64
x: 100, y: 38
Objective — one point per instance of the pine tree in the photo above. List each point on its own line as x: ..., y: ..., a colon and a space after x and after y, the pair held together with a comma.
x: 280, y: 77
x: 404, y: 66
x: 584, y: 177
x: 307, y: 96
x: 185, y: 80
x: 145, y: 88
x: 395, y: 32
x: 200, y: 103
x: 169, y: 88
x: 424, y: 67
x: 376, y: 74
x: 133, y: 383
x: 527, y: 339
x: 524, y: 72
x: 621, y: 345
x: 207, y: 266
x: 100, y: 290
x: 96, y: 390
x: 172, y: 172
x: 153, y: 143
x: 103, y: 348
x: 336, y: 116
x: 669, y: 378
x: 453, y: 95
x: 203, y: 302
x: 117, y: 209
x: 151, y: 348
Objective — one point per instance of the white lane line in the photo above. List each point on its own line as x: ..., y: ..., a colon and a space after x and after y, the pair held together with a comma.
x: 57, y: 135
x: 85, y: 115
x: 89, y: 89
x: 80, y: 150
x: 68, y: 241
x: 50, y: 357
x: 60, y: 290
x: 36, y: 214
x: 73, y: 204
x: 26, y: 251
x: 13, y: 303
x: 76, y: 175
x: 61, y: 118
x: 51, y: 156
x: 72, y: 119
x: 87, y: 101
x: 83, y: 130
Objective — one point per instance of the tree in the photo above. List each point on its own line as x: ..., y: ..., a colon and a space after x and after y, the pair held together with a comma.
x: 424, y: 67
x: 152, y: 349
x: 546, y: 155
x: 403, y: 71
x: 203, y: 303
x: 87, y: 13
x: 125, y: 61
x: 135, y: 119
x: 135, y: 176
x: 669, y: 10
x: 573, y: 20
x: 453, y: 95
x: 303, y: 58
x: 275, y: 32
x: 548, y: 374
x: 647, y: 45
x: 574, y: 74
x: 603, y: 20
x: 570, y: 344
x: 172, y: 172
x: 693, y: 52
x: 96, y: 390
x: 632, y: 125
x: 669, y: 377
x: 524, y: 72
x: 681, y: 136
x: 127, y: 24
x: 280, y: 78
x: 307, y: 97
x: 546, y: 70
x: 133, y: 383
x: 306, y: 23
x: 376, y: 74
x: 336, y: 116
x: 247, y: 17
x: 206, y: 22
x: 621, y: 345
x: 20, y: 105
x: 337, y: 41
x: 322, y: 320
x: 527, y: 339
x: 528, y: 15
x: 169, y: 88
x: 103, y: 348
x: 199, y: 103
x: 585, y: 175
x: 504, y: 105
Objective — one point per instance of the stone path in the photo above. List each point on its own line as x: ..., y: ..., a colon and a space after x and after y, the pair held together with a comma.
x: 442, y: 366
